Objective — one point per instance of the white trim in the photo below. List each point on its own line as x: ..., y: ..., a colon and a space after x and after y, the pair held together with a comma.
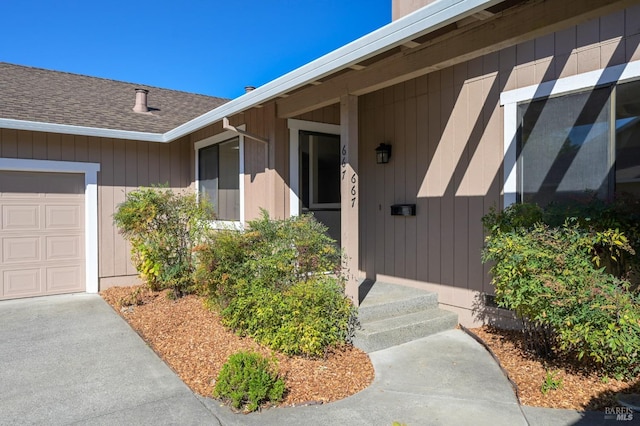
x: 8, y: 123
x: 294, y: 171
x: 510, y: 99
x: 617, y: 73
x: 90, y: 171
x: 219, y: 138
x: 423, y: 21
x: 510, y: 154
x: 313, y: 126
x: 294, y: 156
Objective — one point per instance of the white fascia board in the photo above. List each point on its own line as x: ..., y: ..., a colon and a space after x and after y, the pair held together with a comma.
x: 423, y: 21
x: 8, y: 123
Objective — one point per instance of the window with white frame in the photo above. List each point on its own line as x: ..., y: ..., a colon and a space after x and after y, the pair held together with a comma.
x: 575, y: 144
x: 218, y: 165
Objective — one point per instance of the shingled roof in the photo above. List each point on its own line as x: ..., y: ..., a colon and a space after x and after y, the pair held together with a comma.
x: 35, y: 94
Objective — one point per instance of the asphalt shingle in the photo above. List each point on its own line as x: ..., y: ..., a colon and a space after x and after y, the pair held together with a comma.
x: 46, y: 96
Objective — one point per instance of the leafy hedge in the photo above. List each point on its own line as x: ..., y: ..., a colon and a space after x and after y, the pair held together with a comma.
x: 163, y: 227
x: 618, y: 219
x: 554, y: 279
x: 279, y: 282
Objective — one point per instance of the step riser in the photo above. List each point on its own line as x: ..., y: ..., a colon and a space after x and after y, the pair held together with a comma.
x: 391, y: 315
x: 370, y: 342
x: 397, y: 307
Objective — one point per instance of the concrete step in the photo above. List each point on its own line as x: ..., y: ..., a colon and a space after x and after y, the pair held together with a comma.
x: 388, y: 332
x: 389, y: 300
x: 391, y: 314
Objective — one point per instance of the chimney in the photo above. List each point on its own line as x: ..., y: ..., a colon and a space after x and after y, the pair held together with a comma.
x: 248, y: 89
x: 141, y: 101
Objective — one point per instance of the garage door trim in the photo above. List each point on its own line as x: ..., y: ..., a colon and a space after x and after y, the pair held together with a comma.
x: 90, y: 171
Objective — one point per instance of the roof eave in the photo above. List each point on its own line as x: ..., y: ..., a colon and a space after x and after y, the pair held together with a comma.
x: 425, y: 20
x: 8, y: 123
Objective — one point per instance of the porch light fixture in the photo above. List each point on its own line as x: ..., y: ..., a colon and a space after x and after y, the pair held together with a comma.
x: 383, y: 153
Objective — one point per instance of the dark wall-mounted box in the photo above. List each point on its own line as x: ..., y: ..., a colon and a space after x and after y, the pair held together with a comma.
x: 403, y: 210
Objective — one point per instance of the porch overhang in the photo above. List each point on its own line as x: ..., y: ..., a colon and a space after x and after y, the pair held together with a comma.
x: 462, y: 39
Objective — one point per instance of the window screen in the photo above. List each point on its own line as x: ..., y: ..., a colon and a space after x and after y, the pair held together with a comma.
x: 564, y: 149
x: 219, y: 178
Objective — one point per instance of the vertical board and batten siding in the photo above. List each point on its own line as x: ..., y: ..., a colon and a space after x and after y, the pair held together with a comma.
x: 124, y: 166
x: 446, y: 129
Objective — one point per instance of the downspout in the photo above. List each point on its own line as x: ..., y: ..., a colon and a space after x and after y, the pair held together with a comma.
x: 227, y: 126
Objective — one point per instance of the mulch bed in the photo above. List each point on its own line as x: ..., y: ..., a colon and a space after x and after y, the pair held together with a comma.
x: 581, y: 389
x: 191, y: 340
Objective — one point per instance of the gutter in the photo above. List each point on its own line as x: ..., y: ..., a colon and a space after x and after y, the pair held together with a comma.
x: 423, y: 21
x: 8, y: 123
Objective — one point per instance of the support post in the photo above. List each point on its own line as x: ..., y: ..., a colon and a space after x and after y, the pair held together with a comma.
x: 350, y: 193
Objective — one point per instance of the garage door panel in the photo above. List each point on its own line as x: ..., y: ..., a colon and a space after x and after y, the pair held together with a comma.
x: 21, y: 283
x: 64, y: 247
x: 42, y: 247
x: 63, y: 217
x: 65, y: 279
x: 20, y: 250
x: 20, y: 217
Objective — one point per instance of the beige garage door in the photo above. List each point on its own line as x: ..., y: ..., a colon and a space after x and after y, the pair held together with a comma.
x: 41, y: 234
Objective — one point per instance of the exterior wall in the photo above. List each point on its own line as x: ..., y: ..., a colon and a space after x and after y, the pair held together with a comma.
x: 124, y: 166
x: 400, y: 8
x: 446, y: 129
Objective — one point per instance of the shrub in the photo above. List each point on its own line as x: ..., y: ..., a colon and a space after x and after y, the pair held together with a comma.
x: 307, y: 318
x: 163, y: 227
x: 615, y: 226
x: 550, y: 277
x: 247, y: 380
x: 279, y: 282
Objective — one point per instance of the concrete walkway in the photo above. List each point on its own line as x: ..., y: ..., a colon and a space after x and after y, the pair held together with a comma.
x: 72, y: 360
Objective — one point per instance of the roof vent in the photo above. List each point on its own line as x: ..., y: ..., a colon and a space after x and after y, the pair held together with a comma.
x: 248, y: 89
x: 141, y: 101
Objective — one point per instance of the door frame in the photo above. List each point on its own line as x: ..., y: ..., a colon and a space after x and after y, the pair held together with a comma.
x: 295, y: 126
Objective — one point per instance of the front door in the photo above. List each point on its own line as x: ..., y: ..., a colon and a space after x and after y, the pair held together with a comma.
x: 319, y: 178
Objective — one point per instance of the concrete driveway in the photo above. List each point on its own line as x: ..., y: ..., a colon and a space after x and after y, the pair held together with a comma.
x: 72, y: 360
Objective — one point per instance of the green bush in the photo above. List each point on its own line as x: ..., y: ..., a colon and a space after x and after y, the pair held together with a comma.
x: 552, y: 279
x: 279, y: 282
x: 163, y: 227
x: 610, y: 222
x: 247, y: 380
x: 307, y: 318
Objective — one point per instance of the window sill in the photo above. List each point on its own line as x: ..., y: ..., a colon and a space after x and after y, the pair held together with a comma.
x: 232, y: 225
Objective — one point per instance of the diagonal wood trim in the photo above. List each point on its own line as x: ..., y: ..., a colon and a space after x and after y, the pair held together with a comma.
x: 507, y: 28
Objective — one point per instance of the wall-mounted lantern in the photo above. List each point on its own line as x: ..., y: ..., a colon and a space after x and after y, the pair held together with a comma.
x: 383, y: 153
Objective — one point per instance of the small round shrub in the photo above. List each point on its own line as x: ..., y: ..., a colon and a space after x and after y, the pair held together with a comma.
x: 248, y: 380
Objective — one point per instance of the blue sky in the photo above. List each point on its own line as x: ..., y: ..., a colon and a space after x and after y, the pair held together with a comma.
x: 202, y: 46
